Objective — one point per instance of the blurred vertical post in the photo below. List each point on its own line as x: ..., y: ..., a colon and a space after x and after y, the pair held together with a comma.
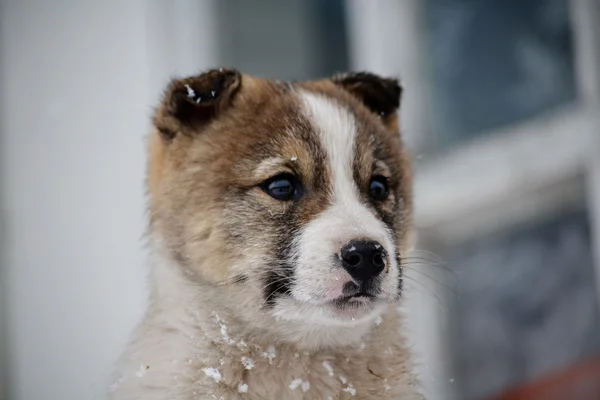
x: 386, y: 37
x: 183, y: 34
x: 3, y: 245
x: 586, y: 20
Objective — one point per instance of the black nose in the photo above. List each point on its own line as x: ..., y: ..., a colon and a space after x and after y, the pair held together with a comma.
x: 363, y: 259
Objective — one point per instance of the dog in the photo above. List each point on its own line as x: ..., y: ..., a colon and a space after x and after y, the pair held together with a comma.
x: 279, y: 215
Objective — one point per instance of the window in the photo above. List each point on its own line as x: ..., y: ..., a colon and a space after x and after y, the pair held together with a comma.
x: 496, y: 63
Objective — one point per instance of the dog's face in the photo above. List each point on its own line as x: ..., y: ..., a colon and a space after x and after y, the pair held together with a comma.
x: 294, y: 199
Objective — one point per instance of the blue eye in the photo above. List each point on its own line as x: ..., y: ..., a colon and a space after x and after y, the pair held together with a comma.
x: 284, y: 187
x: 378, y: 188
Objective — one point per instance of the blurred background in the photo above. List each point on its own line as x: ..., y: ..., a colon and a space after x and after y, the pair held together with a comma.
x: 501, y: 112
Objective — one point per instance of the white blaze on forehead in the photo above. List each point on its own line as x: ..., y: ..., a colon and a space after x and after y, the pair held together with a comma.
x: 336, y: 128
x: 346, y: 218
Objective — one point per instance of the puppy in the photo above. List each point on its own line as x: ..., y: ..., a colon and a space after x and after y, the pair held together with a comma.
x: 279, y: 217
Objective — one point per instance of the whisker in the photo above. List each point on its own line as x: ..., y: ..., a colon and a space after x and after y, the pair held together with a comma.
x: 428, y: 260
x: 281, y: 279
x: 429, y: 292
x: 424, y: 252
x: 423, y: 261
x: 451, y: 278
x: 447, y: 287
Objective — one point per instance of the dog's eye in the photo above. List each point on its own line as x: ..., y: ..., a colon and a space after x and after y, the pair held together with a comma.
x: 282, y: 187
x: 378, y: 188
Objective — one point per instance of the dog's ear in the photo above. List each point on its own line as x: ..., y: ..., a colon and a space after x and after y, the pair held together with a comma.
x: 378, y: 94
x: 190, y: 103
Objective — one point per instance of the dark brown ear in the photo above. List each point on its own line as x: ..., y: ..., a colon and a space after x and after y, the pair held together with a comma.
x: 192, y: 102
x: 380, y: 95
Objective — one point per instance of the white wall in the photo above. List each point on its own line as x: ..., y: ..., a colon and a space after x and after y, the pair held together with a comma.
x: 78, y: 81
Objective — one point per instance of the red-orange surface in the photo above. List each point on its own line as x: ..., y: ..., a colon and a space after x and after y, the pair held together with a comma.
x: 580, y: 382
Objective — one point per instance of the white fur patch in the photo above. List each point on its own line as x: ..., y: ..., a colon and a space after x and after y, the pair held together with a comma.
x: 336, y: 128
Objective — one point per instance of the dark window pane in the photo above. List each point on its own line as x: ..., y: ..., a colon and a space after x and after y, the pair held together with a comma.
x: 292, y: 39
x: 526, y: 305
x: 493, y: 62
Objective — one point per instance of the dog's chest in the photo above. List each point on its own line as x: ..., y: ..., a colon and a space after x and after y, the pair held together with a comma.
x: 274, y: 373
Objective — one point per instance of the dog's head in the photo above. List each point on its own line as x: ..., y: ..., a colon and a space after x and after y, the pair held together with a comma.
x: 294, y: 199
